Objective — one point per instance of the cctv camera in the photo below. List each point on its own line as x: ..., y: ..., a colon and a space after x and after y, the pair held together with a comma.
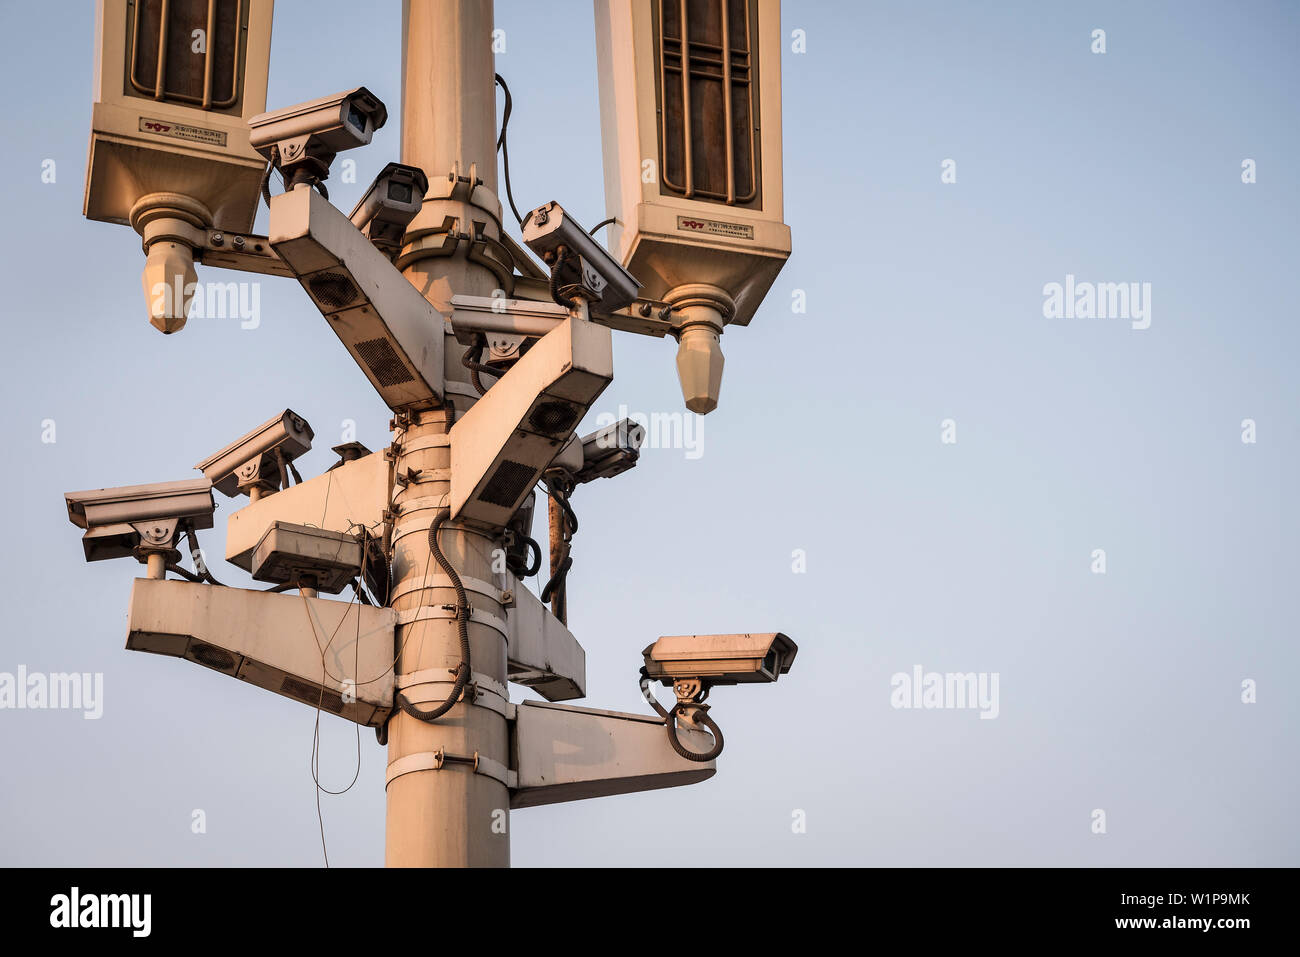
x: 720, y: 659
x: 393, y: 200
x: 303, y: 140
x: 611, y: 451
x: 693, y: 664
x: 578, y: 263
x: 120, y: 522
x: 259, y: 462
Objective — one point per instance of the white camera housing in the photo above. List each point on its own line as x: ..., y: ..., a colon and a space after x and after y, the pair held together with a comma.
x: 508, y: 438
x: 392, y: 331
x: 354, y: 493
x: 307, y: 557
x: 611, y: 451
x: 308, y: 135
x: 393, y: 200
x: 596, y: 275
x: 541, y: 653
x: 256, y: 459
x: 120, y: 521
x: 720, y: 659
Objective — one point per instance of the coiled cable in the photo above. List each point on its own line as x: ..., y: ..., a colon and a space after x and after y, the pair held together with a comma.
x: 462, y: 629
x: 470, y: 360
x: 563, y: 255
x: 670, y: 721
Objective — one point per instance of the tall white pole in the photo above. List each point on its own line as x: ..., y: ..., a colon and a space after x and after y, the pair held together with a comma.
x: 456, y: 816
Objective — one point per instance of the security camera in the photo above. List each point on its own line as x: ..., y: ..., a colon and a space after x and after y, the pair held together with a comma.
x: 303, y: 140
x: 720, y: 659
x: 393, y: 200
x: 258, y: 463
x: 611, y: 451
x: 579, y: 265
x: 135, y: 519
x: 693, y: 664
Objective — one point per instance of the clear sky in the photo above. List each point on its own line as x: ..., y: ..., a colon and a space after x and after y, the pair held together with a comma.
x: 1119, y: 692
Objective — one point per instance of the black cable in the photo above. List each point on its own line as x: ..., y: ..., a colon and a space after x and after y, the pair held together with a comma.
x: 282, y: 466
x: 600, y: 225
x: 184, y: 573
x: 556, y: 585
x: 196, y: 556
x: 266, y: 174
x: 504, y: 147
x: 557, y: 580
x: 325, y: 673
x: 535, y: 567
x: 315, y: 741
x: 562, y: 255
x: 686, y: 752
x: 469, y: 359
x: 462, y: 628
x: 670, y: 721
x: 650, y: 695
x: 569, y: 514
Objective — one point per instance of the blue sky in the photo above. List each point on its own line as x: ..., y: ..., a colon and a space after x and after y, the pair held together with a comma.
x: 1118, y: 691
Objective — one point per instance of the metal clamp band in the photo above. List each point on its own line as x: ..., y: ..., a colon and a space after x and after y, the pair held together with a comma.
x: 477, y: 694
x: 425, y: 442
x: 496, y: 770
x: 440, y: 676
x: 429, y: 476
x: 475, y: 585
x: 437, y: 613
x: 407, y: 505
x: 438, y: 760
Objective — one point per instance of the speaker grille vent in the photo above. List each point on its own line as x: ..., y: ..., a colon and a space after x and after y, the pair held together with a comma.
x: 332, y: 289
x: 310, y: 694
x: 508, y: 484
x: 554, y: 417
x: 383, y: 362
x: 210, y: 656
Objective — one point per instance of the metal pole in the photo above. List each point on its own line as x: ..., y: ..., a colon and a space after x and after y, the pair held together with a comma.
x: 557, y: 526
x: 456, y: 816
x: 156, y: 565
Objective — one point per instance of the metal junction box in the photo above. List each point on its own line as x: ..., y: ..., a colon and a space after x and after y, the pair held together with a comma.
x: 291, y: 553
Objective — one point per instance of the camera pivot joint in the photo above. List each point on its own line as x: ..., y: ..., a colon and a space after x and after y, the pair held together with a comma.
x: 691, y: 694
